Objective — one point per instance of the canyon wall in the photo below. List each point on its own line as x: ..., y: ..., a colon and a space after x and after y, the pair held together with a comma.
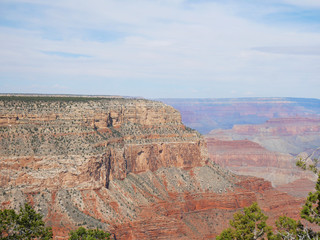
x: 285, y: 135
x: 106, y: 138
x: 249, y: 158
x: 267, y: 150
x: 52, y: 146
x: 256, y: 136
x: 128, y: 166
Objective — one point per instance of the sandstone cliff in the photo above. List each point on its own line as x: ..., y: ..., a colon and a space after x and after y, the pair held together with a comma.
x: 99, y: 140
x: 55, y: 149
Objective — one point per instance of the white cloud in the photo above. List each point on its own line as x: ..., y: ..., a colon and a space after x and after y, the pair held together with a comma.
x: 291, y: 50
x: 304, y: 3
x: 159, y: 41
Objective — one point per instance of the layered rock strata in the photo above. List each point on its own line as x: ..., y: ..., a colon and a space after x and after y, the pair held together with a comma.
x: 291, y: 135
x: 55, y: 150
x: 128, y: 166
x: 249, y: 158
x: 86, y: 140
x: 208, y: 113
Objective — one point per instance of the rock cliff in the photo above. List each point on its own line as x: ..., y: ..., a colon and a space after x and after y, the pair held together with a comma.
x: 285, y: 135
x: 99, y: 140
x: 266, y: 150
x: 128, y: 166
x: 249, y: 158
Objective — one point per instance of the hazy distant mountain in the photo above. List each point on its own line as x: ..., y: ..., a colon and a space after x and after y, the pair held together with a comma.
x: 207, y: 114
x: 256, y: 136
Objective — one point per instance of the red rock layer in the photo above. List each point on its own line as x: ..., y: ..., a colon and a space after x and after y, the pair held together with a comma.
x: 205, y: 215
x: 96, y: 140
x: 298, y: 188
x: 239, y: 153
x: 281, y: 127
x: 249, y: 158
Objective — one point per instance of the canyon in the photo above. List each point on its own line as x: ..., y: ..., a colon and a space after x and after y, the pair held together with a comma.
x: 269, y: 150
x: 128, y: 166
x: 207, y: 114
x: 257, y: 136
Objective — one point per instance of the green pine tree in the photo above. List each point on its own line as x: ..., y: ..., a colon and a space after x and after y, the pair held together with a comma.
x: 311, y: 208
x: 27, y: 224
x: 88, y: 234
x: 248, y: 225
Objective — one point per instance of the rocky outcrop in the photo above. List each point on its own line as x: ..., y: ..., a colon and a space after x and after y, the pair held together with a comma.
x: 239, y: 153
x: 99, y: 140
x: 55, y: 151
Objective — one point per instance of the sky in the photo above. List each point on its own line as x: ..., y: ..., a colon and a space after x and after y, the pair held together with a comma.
x: 161, y: 48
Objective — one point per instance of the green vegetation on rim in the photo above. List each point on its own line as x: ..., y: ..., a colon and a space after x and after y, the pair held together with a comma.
x: 55, y: 98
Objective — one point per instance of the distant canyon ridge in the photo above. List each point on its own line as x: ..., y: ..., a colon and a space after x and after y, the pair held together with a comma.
x: 257, y: 136
x: 207, y: 114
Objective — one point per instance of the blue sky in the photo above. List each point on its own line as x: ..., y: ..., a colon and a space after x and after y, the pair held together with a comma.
x: 161, y: 48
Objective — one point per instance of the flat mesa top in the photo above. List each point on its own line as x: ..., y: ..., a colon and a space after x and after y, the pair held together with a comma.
x: 60, y: 97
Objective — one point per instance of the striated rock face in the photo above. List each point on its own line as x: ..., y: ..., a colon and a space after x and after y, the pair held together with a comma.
x: 266, y: 150
x: 65, y: 155
x: 128, y: 166
x: 298, y: 188
x: 240, y: 153
x: 285, y: 135
x: 168, y: 203
x: 281, y: 128
x: 203, y: 212
x: 98, y: 140
x: 245, y: 157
